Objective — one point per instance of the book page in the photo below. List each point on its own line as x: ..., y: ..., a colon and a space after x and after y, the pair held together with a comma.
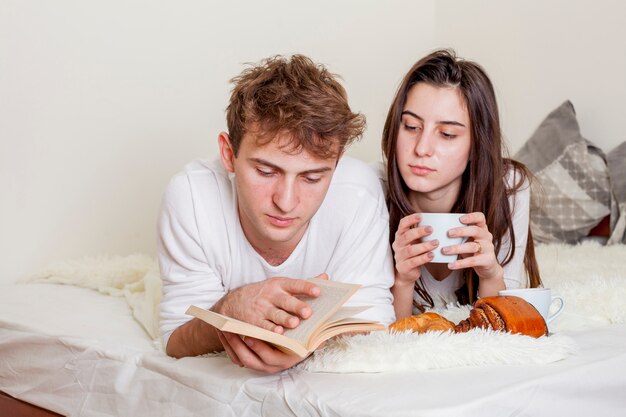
x: 332, y: 296
x: 344, y: 313
x: 341, y: 327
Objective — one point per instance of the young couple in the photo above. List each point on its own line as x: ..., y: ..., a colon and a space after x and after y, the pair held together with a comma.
x: 241, y: 235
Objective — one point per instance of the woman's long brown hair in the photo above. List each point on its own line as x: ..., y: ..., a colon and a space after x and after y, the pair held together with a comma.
x: 484, y: 187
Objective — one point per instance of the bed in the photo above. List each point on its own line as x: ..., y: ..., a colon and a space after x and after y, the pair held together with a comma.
x: 79, y: 352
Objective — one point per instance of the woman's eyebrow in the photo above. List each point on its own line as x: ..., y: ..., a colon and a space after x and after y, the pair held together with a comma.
x: 440, y: 122
x: 410, y: 113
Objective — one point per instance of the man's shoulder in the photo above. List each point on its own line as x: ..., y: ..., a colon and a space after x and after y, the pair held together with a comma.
x: 356, y: 192
x: 201, y: 170
x: 357, y: 175
x: 198, y: 177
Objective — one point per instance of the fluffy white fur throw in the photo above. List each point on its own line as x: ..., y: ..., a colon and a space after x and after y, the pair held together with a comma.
x: 406, y: 351
x: 591, y: 277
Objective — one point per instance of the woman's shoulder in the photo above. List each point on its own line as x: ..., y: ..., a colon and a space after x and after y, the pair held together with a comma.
x: 516, y: 177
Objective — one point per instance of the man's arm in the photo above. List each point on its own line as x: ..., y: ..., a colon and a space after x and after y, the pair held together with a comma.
x: 271, y: 304
x: 192, y: 339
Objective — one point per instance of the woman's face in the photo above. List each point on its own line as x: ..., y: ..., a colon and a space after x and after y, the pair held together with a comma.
x: 433, y: 144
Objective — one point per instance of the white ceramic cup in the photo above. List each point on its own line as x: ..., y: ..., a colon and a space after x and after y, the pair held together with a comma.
x: 540, y: 298
x: 441, y: 223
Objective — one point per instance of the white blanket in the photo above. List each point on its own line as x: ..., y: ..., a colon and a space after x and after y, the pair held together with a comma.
x: 594, y: 290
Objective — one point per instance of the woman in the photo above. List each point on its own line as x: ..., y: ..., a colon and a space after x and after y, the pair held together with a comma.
x: 443, y: 149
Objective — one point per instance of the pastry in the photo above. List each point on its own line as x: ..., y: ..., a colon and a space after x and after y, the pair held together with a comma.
x: 422, y: 323
x: 506, y: 313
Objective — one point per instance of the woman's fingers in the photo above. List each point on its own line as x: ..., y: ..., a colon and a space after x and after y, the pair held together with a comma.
x: 408, y: 236
x: 471, y: 247
x: 408, y: 222
x: 477, y: 218
x: 414, y: 256
x: 411, y: 251
x: 473, y: 231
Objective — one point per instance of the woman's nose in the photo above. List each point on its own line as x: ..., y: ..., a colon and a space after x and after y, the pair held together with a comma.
x: 425, y: 144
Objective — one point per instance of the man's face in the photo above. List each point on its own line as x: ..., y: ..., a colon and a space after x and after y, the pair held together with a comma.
x: 278, y: 192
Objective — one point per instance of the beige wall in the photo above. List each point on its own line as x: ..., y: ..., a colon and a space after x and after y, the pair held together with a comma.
x: 101, y: 102
x: 541, y: 53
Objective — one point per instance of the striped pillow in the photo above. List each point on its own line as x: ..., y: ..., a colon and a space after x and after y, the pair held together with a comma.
x: 574, y: 192
x: 617, y: 171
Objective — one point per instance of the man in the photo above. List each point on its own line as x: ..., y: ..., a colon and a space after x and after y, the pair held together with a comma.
x: 242, y: 235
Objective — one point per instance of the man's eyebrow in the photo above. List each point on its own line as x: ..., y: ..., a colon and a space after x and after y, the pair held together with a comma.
x: 440, y: 122
x: 279, y: 169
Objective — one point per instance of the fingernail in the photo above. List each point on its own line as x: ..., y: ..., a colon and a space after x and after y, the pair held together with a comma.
x: 463, y: 219
x: 431, y: 255
x: 445, y: 250
x: 451, y: 232
x: 434, y: 242
x: 428, y: 229
x: 452, y: 265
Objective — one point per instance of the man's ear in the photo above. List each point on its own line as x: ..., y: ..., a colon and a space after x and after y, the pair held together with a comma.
x: 227, y: 154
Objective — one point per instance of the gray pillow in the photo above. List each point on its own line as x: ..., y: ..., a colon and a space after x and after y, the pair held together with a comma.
x: 573, y: 191
x: 616, y: 160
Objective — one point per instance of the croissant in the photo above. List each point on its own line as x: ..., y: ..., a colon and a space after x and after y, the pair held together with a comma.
x: 422, y: 323
x: 506, y: 313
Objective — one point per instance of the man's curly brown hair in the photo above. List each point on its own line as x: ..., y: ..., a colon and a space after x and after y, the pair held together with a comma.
x: 296, y: 99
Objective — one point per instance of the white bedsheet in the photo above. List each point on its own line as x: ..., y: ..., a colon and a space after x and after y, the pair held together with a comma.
x: 80, y: 353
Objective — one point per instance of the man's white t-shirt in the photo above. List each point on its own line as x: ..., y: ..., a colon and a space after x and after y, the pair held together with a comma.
x: 203, y: 252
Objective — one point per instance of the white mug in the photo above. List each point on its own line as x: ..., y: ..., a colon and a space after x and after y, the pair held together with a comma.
x: 540, y: 298
x: 441, y: 223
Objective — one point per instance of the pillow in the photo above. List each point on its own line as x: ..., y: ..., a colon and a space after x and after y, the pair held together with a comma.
x: 573, y: 191
x: 616, y: 160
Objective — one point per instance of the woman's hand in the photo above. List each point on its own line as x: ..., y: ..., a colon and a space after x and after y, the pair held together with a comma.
x: 409, y: 253
x: 478, y: 251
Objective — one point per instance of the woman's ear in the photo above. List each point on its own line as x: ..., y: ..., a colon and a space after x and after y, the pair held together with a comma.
x: 227, y: 154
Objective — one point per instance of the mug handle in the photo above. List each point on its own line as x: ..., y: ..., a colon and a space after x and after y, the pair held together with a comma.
x: 559, y: 311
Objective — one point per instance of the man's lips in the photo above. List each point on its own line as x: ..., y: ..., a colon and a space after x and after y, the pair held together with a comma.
x: 279, y: 221
x: 421, y: 170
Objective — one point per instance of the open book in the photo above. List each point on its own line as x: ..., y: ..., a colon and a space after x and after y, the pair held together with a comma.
x: 329, y: 319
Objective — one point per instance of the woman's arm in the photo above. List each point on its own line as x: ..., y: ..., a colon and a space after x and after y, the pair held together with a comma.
x: 409, y: 256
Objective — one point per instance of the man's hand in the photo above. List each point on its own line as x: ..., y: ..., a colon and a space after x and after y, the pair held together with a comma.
x: 256, y: 354
x: 271, y: 304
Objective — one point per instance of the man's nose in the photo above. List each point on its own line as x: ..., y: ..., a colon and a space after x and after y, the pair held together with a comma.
x: 286, y: 195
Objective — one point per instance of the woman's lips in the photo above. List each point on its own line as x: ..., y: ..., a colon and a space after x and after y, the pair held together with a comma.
x: 281, y: 221
x: 421, y: 170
